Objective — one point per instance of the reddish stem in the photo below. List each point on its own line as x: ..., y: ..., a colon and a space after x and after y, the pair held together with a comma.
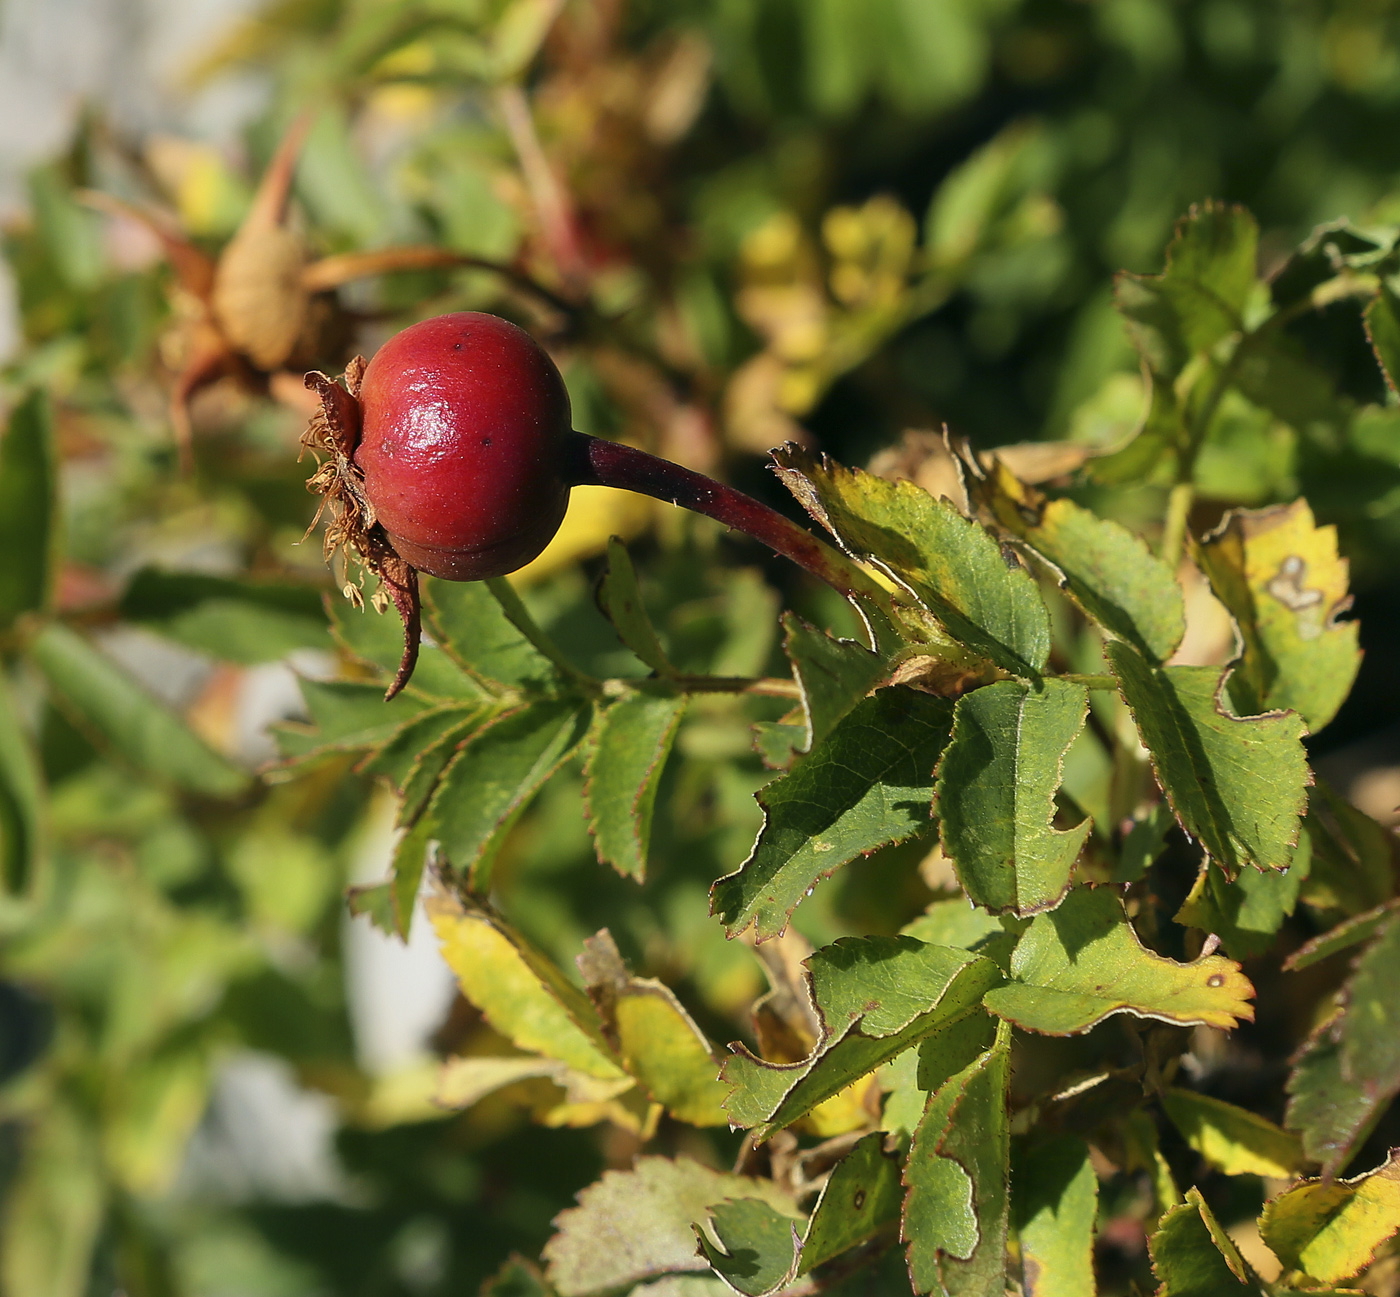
x: 594, y: 462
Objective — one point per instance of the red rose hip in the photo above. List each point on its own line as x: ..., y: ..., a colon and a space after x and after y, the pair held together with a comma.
x: 464, y: 425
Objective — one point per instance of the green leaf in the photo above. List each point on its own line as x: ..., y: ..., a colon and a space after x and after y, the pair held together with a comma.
x: 1108, y: 570
x: 1238, y: 785
x: 517, y: 1277
x: 109, y: 703
x: 859, y: 1206
x: 631, y: 742
x: 996, y: 788
x: 28, y: 482
x: 236, y: 621
x: 958, y: 1205
x: 635, y: 1225
x: 375, y: 639
x: 1144, y: 843
x: 876, y: 996
x: 23, y: 851
x: 346, y: 716
x: 472, y: 627
x: 397, y: 758
x: 1054, y: 1199
x: 390, y: 904
x: 523, y: 994
x: 656, y: 1039
x: 1333, y: 1230
x: 1083, y: 962
x: 869, y: 784
x: 1350, y: 932
x: 1201, y: 295
x: 496, y: 773
x: 1382, y: 317
x: 757, y: 1246
x: 1353, y: 859
x: 951, y: 563
x: 1348, y: 1072
x: 1194, y: 1257
x: 54, y: 1209
x: 1233, y: 1140
x: 1280, y: 576
x: 834, y: 675
x: 620, y: 597
x: 1246, y: 914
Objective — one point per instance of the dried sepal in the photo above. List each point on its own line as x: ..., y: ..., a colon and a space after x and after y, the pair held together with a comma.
x: 352, y: 530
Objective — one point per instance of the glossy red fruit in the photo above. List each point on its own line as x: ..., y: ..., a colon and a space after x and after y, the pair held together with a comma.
x: 464, y: 421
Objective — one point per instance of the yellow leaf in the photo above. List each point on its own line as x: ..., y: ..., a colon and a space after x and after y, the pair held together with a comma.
x: 1231, y: 1139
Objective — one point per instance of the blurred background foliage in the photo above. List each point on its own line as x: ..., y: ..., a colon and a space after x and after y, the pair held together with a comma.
x: 733, y: 222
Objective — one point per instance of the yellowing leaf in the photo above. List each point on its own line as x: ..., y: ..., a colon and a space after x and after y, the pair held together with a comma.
x: 523, y: 994
x: 1194, y: 1257
x: 1083, y: 962
x: 1231, y: 1139
x: 595, y: 513
x: 1280, y: 575
x: 1331, y: 1231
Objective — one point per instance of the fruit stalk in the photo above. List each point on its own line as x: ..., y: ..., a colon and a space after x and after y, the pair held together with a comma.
x: 590, y: 461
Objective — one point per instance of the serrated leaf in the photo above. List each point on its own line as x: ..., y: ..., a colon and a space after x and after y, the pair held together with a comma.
x: 1054, y: 1200
x: 395, y: 759
x: 376, y: 640
x: 517, y: 1277
x: 1083, y: 962
x: 1245, y: 914
x: 631, y: 742
x: 1280, y: 576
x: 833, y: 675
x: 757, y: 1246
x: 656, y: 1039
x: 472, y: 627
x: 957, y: 1207
x: 858, y: 1208
x: 1238, y: 785
x: 1233, y: 1140
x: 234, y: 620
x: 635, y: 1225
x: 1348, y: 1072
x: 390, y: 904
x: 620, y: 596
x: 28, y: 481
x: 110, y: 704
x: 1200, y: 296
x: 951, y: 563
x: 1350, y: 932
x: 494, y: 775
x: 1382, y: 318
x: 523, y: 994
x: 869, y: 784
x: 424, y: 775
x: 875, y: 996
x: 995, y: 793
x: 1332, y: 1230
x: 22, y: 829
x: 1194, y: 1257
x: 1107, y: 569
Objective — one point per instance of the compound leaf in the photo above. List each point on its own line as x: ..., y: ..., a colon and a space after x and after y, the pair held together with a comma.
x: 1083, y: 962
x: 467, y: 619
x: 996, y: 793
x: 1238, y: 785
x: 631, y: 742
x: 1280, y: 576
x: 951, y: 563
x: 869, y: 784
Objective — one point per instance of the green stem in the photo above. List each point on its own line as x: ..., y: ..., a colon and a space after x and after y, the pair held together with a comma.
x: 1179, y: 503
x: 1088, y: 681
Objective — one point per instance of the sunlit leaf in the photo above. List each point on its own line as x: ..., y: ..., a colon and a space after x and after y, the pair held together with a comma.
x: 1194, y: 1257
x: 1280, y: 576
x: 1332, y: 1230
x: 859, y: 1205
x: 869, y: 784
x: 996, y: 788
x: 1082, y: 962
x: 1239, y: 785
x: 1233, y: 1140
x: 757, y: 1245
x: 376, y: 640
x: 1054, y: 1199
x: 1245, y: 914
x: 470, y: 624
